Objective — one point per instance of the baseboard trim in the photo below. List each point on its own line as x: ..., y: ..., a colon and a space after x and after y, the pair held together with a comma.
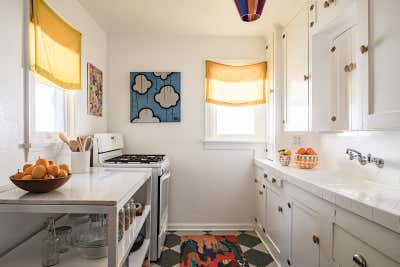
x: 210, y: 227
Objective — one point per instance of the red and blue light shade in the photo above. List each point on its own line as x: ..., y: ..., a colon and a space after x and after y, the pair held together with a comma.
x: 250, y: 10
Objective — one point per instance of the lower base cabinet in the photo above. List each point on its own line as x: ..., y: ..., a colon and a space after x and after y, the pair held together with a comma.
x: 304, y: 236
x: 348, y: 251
x: 278, y: 224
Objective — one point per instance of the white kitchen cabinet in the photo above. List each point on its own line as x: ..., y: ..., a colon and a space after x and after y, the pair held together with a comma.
x: 261, y: 201
x: 379, y: 47
x: 296, y: 72
x: 348, y: 251
x: 329, y: 10
x: 304, y: 236
x: 278, y: 222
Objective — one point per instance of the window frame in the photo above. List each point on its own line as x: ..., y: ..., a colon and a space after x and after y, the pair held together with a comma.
x: 214, y: 141
x: 40, y: 140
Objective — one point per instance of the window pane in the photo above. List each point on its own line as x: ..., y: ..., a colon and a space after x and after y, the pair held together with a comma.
x: 235, y: 120
x: 49, y: 108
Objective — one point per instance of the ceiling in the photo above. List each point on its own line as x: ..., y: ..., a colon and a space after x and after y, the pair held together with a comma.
x: 187, y: 17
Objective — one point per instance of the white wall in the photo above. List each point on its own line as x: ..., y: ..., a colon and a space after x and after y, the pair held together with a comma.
x: 208, y: 187
x: 94, y: 50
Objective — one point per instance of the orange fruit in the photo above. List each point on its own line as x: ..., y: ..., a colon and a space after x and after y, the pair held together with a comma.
x: 38, y: 172
x: 49, y: 176
x: 43, y: 162
x: 301, y: 151
x: 18, y: 175
x: 51, y: 163
x: 65, y: 167
x: 27, y: 177
x: 310, y: 151
x: 62, y: 173
x: 28, y: 170
x: 26, y: 166
x: 53, y: 170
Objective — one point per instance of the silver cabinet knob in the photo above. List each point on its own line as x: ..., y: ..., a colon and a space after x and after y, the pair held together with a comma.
x: 360, y: 260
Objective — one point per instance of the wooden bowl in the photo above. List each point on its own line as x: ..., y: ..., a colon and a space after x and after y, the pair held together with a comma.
x: 40, y: 185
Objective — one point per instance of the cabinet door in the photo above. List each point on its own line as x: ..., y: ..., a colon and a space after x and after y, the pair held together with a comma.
x: 380, y: 69
x: 277, y: 219
x: 345, y: 98
x: 304, y: 237
x: 261, y: 206
x: 257, y: 183
x: 296, y: 73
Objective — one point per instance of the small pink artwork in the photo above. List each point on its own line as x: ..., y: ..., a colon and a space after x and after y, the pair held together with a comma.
x: 95, y: 91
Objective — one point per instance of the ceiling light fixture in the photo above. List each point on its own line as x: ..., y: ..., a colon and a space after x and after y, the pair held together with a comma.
x: 250, y: 10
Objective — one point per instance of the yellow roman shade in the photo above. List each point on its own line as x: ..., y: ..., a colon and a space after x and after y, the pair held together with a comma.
x: 236, y: 85
x: 55, y: 47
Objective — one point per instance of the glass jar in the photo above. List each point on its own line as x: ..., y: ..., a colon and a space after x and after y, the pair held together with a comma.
x: 64, y: 235
x: 50, y: 254
x: 127, y: 214
x: 79, y: 224
x: 93, y: 243
x: 133, y: 213
x: 121, y: 224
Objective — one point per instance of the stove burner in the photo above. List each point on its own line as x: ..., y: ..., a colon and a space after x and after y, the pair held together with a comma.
x: 144, y: 159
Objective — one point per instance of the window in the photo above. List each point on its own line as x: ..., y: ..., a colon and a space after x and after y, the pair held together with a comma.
x: 235, y: 107
x: 50, y: 111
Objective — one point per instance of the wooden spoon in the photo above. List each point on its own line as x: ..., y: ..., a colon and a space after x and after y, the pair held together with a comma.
x: 74, y: 146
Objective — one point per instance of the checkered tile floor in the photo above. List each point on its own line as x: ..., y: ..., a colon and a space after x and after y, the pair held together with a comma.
x: 253, y: 248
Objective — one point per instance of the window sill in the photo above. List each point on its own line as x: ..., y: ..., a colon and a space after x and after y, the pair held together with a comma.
x: 232, y: 144
x: 45, y: 145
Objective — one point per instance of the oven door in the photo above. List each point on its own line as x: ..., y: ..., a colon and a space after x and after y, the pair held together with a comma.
x: 163, y: 208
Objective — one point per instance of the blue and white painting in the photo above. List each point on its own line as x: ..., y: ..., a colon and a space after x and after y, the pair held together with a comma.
x: 155, y: 97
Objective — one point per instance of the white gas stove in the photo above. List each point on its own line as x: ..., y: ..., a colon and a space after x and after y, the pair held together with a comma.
x: 108, y: 152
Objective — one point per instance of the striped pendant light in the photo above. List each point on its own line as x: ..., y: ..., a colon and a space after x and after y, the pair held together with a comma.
x: 250, y: 10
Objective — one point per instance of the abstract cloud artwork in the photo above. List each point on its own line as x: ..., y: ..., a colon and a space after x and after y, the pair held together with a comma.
x: 155, y: 97
x: 95, y: 91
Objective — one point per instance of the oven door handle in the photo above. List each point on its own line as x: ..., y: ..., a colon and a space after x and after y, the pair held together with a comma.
x: 165, y: 176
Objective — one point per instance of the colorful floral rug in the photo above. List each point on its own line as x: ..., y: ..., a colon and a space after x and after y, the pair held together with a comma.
x: 211, y: 251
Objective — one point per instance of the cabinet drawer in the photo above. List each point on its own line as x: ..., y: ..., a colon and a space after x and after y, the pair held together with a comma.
x: 348, y: 251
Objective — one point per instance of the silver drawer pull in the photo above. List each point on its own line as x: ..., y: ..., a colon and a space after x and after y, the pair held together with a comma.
x: 360, y: 260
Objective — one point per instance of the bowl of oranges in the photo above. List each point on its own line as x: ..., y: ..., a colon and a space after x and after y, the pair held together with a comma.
x: 306, y: 158
x: 41, y: 177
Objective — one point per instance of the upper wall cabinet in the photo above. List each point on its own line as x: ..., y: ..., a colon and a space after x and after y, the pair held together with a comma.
x: 296, y: 73
x: 336, y: 95
x: 380, y: 76
x: 340, y: 63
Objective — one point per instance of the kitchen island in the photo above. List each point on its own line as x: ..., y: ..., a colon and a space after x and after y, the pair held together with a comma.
x: 102, y: 191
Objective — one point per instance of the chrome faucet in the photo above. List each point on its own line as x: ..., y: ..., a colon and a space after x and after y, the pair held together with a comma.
x: 363, y: 160
x: 354, y: 154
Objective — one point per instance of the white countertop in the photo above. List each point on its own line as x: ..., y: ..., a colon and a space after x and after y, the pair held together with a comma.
x: 377, y: 202
x: 101, y: 186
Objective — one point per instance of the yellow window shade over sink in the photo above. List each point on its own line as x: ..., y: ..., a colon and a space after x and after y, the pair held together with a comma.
x: 236, y: 85
x: 55, y: 48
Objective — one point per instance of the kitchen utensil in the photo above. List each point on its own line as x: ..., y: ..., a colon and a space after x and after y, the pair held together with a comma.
x: 80, y: 141
x: 74, y: 146
x: 88, y: 143
x: 40, y: 185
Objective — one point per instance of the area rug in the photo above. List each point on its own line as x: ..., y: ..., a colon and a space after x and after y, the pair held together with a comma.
x: 211, y: 251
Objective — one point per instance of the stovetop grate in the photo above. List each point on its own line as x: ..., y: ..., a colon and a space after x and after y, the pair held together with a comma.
x: 137, y: 158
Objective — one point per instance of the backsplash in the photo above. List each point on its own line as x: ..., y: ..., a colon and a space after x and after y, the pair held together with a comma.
x: 332, y: 151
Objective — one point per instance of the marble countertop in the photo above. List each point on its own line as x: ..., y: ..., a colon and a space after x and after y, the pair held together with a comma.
x: 101, y: 186
x: 375, y: 201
